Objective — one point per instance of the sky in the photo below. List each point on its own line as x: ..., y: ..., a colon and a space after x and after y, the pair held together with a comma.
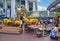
x: 43, y: 4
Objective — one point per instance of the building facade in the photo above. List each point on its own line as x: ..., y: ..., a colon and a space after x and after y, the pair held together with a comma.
x: 30, y: 5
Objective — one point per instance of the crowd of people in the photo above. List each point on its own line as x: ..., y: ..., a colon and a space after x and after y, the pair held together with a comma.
x: 47, y: 26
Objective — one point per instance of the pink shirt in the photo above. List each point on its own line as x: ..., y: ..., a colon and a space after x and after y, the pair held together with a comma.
x: 35, y: 26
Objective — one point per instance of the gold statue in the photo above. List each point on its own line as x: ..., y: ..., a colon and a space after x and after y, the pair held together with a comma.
x: 21, y: 12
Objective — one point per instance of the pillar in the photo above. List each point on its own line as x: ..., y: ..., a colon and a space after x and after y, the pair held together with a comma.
x: 5, y: 8
x: 36, y: 5
x: 48, y: 13
x: 13, y: 9
x: 34, y: 8
x: 26, y: 5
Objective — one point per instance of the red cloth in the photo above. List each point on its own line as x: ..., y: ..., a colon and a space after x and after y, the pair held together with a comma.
x: 55, y: 19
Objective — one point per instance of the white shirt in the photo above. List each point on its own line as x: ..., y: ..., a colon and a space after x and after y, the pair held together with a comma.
x: 49, y: 27
x: 56, y: 30
x: 8, y: 12
x: 51, y: 20
x: 21, y: 21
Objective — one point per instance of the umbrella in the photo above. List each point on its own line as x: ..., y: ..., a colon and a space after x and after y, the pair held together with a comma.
x: 3, y: 17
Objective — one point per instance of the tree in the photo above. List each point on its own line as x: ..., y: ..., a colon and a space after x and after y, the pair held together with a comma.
x: 57, y: 14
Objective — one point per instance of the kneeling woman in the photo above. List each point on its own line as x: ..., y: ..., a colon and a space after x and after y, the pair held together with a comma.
x: 54, y: 32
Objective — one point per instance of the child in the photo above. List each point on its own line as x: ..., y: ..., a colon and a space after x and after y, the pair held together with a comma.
x: 54, y: 33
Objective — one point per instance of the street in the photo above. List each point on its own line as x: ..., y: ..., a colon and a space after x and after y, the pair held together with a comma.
x: 23, y: 37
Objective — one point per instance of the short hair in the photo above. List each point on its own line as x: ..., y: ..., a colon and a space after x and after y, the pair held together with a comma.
x: 21, y: 17
x: 56, y: 25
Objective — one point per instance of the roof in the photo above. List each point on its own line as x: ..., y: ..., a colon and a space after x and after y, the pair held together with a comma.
x: 53, y: 5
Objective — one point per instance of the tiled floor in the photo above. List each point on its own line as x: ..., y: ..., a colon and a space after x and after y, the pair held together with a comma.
x: 24, y: 37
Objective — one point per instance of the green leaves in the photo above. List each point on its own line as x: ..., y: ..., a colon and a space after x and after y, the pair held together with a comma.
x: 57, y: 14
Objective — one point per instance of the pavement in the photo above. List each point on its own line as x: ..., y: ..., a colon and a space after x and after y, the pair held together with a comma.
x: 10, y: 30
x: 6, y: 34
x: 24, y: 37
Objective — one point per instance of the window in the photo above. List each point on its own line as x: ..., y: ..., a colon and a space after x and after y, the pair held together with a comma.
x: 30, y: 6
x: 22, y: 2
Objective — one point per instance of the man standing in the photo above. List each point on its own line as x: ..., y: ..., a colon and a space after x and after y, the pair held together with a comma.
x: 8, y: 12
x: 1, y: 10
